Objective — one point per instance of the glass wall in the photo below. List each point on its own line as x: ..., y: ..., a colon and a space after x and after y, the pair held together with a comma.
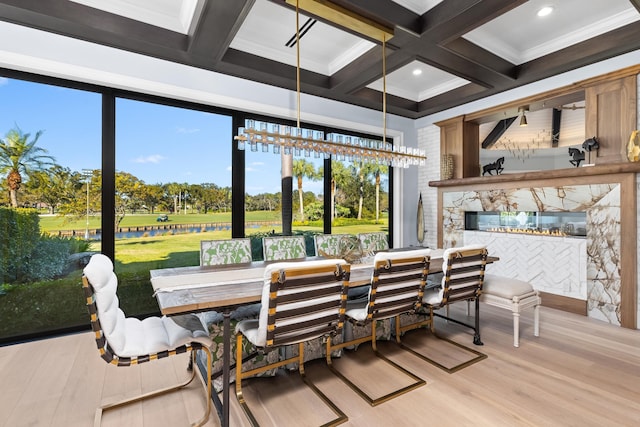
x: 359, y: 197
x: 173, y: 189
x: 170, y: 166
x: 266, y: 172
x: 50, y: 145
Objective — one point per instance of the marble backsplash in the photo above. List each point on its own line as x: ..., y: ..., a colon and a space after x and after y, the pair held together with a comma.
x: 602, y: 204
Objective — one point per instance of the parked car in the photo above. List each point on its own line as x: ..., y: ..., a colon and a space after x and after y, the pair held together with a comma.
x: 162, y: 218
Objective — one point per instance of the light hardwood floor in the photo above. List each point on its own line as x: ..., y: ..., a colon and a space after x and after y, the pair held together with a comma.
x: 579, y: 372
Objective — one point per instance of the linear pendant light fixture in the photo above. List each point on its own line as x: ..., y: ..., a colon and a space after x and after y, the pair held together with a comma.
x: 295, y: 140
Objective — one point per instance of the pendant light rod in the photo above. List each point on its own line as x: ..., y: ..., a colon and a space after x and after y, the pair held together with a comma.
x: 298, y: 61
x: 384, y: 91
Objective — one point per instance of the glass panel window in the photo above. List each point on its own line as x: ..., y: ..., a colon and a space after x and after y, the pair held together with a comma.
x: 50, y: 145
x: 173, y: 190
x: 360, y: 197
x: 267, y: 168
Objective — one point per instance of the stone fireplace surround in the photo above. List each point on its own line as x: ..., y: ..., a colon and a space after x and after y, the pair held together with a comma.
x: 605, y: 283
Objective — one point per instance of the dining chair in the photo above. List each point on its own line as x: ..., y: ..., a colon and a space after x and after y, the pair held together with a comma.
x: 371, y: 243
x: 225, y: 251
x: 463, y: 278
x: 301, y: 301
x: 336, y: 245
x: 345, y: 246
x: 281, y: 248
x: 127, y: 341
x: 397, y: 288
x: 229, y: 252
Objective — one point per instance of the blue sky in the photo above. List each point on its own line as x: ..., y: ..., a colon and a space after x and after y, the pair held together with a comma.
x: 156, y: 143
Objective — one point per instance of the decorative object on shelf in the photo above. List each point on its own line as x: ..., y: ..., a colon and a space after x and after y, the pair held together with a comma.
x: 590, y: 145
x: 420, y: 221
x: 522, y: 148
x: 446, y: 166
x: 577, y: 156
x: 495, y: 166
x: 633, y: 147
x: 296, y: 140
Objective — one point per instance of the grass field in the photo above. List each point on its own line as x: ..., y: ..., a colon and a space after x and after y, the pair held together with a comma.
x: 48, y: 306
x: 55, y: 222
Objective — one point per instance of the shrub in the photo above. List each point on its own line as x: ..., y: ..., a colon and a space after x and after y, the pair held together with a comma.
x: 19, y: 235
x: 25, y: 255
x: 48, y: 259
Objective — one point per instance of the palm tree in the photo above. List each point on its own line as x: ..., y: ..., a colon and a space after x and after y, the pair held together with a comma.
x: 303, y: 169
x: 378, y: 170
x: 361, y: 170
x: 339, y: 176
x: 19, y: 158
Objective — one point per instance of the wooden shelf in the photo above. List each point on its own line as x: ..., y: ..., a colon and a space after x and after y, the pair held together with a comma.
x: 606, y: 169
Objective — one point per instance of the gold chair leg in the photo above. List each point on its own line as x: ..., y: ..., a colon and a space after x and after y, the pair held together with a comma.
x: 478, y: 356
x: 341, y: 416
x: 97, y: 420
x: 417, y: 381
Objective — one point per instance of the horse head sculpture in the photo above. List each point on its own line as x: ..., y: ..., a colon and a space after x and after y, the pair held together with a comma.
x: 591, y: 144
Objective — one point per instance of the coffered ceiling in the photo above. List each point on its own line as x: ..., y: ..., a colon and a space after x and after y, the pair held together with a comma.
x: 442, y: 53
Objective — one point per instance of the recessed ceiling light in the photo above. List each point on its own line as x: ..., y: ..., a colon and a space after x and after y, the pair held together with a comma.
x: 545, y: 11
x: 417, y: 72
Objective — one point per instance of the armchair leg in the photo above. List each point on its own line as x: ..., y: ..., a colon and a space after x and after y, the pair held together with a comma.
x: 97, y: 421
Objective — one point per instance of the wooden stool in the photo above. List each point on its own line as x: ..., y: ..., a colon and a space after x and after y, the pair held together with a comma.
x: 515, y: 295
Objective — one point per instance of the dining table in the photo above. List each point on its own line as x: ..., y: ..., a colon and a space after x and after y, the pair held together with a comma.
x: 223, y: 288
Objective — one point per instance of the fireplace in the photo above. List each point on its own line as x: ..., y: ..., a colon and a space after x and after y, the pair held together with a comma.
x: 560, y: 224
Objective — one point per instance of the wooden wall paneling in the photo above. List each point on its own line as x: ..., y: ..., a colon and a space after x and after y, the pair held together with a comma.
x: 610, y: 115
x: 560, y: 302
x: 461, y: 139
x: 471, y: 149
x: 628, y: 252
x: 451, y: 143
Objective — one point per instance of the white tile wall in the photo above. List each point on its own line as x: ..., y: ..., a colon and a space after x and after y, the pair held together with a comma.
x: 429, y: 140
x: 556, y: 265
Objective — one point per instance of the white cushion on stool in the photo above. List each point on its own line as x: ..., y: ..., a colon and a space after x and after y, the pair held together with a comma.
x: 515, y: 295
x: 505, y: 287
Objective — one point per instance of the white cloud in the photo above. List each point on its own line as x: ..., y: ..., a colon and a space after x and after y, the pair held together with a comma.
x: 187, y: 131
x: 154, y: 158
x: 257, y: 164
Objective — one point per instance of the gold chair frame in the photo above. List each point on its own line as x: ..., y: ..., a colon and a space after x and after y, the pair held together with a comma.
x: 110, y: 357
x: 463, y: 280
x: 412, y: 269
x: 291, y: 285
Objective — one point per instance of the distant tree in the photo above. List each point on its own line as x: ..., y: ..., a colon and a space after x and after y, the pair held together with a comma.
x: 20, y: 158
x: 127, y: 197
x: 151, y: 196
x: 55, y: 187
x: 303, y: 169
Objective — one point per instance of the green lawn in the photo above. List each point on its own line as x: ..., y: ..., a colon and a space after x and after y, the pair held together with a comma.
x: 52, y: 223
x: 41, y: 307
